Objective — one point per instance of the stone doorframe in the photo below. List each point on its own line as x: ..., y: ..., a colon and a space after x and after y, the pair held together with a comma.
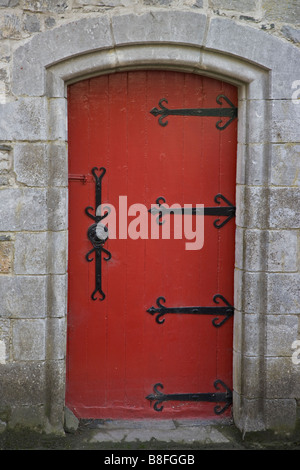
x: 263, y: 68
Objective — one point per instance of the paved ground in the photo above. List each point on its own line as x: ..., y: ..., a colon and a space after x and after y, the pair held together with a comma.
x: 164, y: 435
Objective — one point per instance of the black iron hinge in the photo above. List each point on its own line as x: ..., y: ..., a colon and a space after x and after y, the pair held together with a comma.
x: 230, y: 112
x: 225, y: 311
x: 218, y: 397
x: 222, y: 211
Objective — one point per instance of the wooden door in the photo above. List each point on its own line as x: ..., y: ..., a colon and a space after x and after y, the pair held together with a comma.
x: 124, y: 359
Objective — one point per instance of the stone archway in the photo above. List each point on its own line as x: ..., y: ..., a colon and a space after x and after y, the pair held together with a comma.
x: 182, y: 41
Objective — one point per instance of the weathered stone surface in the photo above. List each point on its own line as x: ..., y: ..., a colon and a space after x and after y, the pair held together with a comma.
x: 32, y: 23
x: 31, y: 417
x: 242, y: 6
x: 5, y: 341
x: 285, y: 168
x: 23, y: 296
x: 291, y: 33
x: 287, y: 11
x: 280, y: 414
x: 22, y: 383
x: 23, y: 209
x: 56, y: 338
x: 281, y: 331
x: 5, y: 160
x: 288, y: 386
x: 283, y: 293
x: 10, y: 26
x: 159, y: 26
x: 78, y: 37
x: 9, y: 3
x: 57, y: 208
x: 28, y: 338
x: 31, y: 164
x: 31, y: 253
x: 24, y: 119
x: 58, y: 164
x: 246, y: 42
x: 71, y: 421
x: 282, y: 247
x: 6, y: 254
x: 285, y: 121
x: 57, y: 295
x: 264, y: 250
x: 284, y: 208
x: 58, y: 6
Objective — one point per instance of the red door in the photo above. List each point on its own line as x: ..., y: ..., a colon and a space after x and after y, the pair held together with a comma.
x: 124, y: 358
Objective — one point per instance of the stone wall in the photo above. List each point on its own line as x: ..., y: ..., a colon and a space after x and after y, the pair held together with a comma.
x: 45, y: 44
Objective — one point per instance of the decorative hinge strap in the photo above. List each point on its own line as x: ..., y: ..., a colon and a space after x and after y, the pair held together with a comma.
x: 230, y: 112
x: 226, y: 311
x: 219, y: 397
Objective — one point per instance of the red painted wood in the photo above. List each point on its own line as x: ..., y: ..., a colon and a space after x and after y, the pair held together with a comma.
x: 116, y: 351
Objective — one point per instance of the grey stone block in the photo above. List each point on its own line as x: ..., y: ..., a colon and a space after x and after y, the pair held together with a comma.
x: 254, y: 292
x: 249, y: 330
x: 58, y: 6
x: 57, y: 208
x: 72, y: 39
x: 31, y: 417
x: 291, y: 33
x: 5, y: 340
x: 22, y: 384
x: 285, y: 122
x: 252, y: 163
x: 23, y: 296
x: 251, y: 202
x: 282, y: 378
x: 24, y: 119
x: 31, y: 164
x: 263, y: 250
x: 281, y: 332
x: 248, y: 413
x: 56, y: 338
x: 246, y: 42
x: 284, y: 208
x: 9, y: 3
x: 28, y: 338
x: 283, y: 293
x: 57, y: 295
x: 250, y: 384
x: 284, y: 84
x: 281, y: 414
x: 71, y: 421
x: 5, y: 160
x: 285, y: 164
x: 57, y: 252
x: 32, y: 23
x: 238, y: 5
x: 57, y: 123
x: 288, y: 11
x: 23, y: 209
x: 159, y: 26
x: 58, y: 164
x: 31, y: 253
x: 282, y: 251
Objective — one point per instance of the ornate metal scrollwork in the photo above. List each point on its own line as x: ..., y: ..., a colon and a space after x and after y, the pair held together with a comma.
x: 162, y: 310
x: 230, y: 112
x: 222, y: 397
x: 222, y: 211
x: 97, y: 234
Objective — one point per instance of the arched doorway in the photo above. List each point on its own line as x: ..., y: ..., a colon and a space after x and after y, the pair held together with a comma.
x: 150, y: 317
